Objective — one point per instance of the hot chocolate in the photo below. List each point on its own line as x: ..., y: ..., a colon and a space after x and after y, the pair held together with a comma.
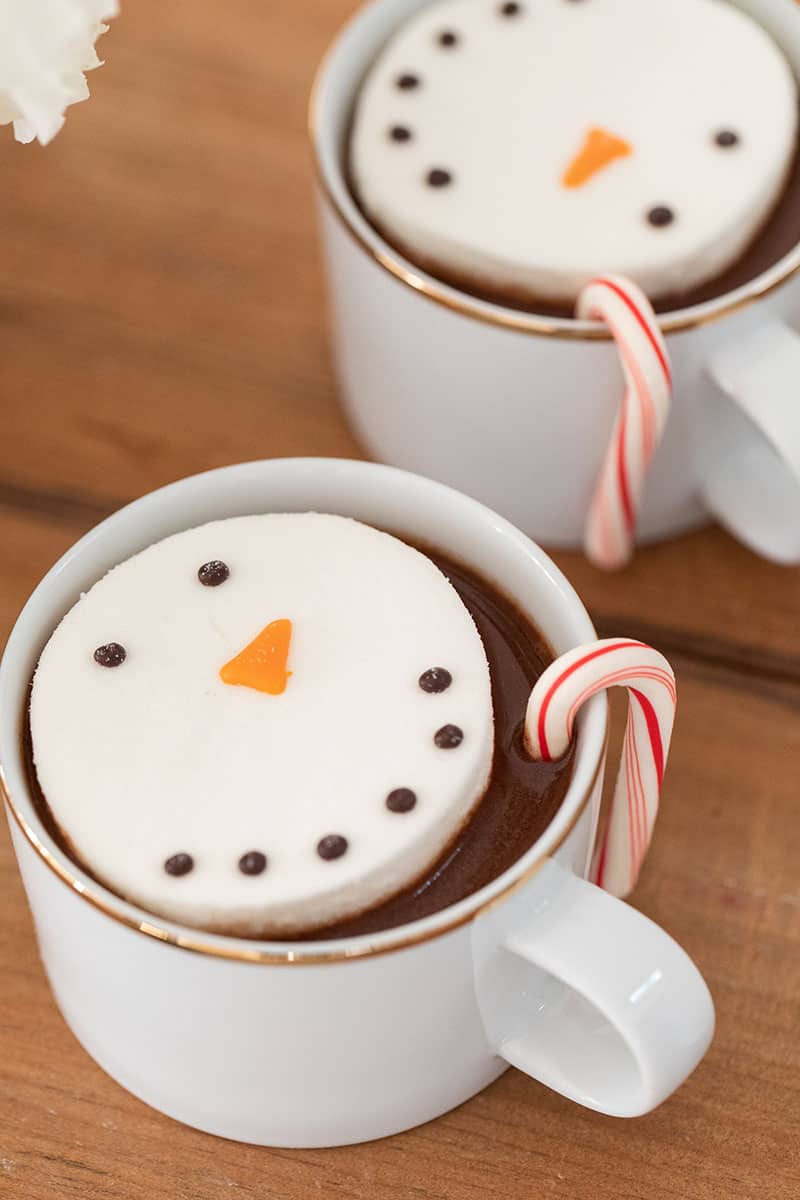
x: 348, y: 764
x: 518, y: 150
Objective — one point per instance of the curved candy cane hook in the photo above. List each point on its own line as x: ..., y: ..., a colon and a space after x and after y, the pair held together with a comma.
x: 641, y: 418
x: 559, y: 693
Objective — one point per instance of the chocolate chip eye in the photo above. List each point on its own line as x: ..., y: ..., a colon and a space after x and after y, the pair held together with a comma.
x: 660, y: 216
x: 448, y: 737
x: 213, y: 573
x: 435, y: 680
x: 407, y: 82
x: 253, y: 863
x: 438, y: 178
x: 447, y: 38
x: 510, y: 10
x: 179, y: 864
x: 400, y: 133
x: 332, y: 846
x: 727, y: 138
x: 401, y: 800
x: 111, y: 655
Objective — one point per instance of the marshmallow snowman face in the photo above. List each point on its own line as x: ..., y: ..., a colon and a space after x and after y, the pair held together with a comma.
x: 530, y: 146
x: 264, y: 724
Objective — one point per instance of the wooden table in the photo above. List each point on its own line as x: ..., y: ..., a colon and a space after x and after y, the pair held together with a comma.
x: 162, y: 311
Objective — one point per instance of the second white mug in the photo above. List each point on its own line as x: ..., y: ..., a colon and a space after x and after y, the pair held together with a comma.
x: 517, y: 409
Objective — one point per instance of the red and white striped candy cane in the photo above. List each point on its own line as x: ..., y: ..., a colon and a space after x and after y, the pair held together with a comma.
x: 640, y: 422
x: 559, y: 693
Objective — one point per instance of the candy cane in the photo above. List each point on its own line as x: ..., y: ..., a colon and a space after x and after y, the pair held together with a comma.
x: 559, y: 693
x: 641, y: 418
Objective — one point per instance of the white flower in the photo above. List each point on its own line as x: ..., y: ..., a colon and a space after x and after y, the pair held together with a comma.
x: 45, y: 46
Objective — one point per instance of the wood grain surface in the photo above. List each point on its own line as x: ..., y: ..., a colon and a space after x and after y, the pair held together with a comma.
x: 161, y: 312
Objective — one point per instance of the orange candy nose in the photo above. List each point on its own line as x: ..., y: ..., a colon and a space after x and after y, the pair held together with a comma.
x: 262, y: 664
x: 598, y: 151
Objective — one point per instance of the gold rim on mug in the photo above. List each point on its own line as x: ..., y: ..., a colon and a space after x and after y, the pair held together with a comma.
x: 289, y: 956
x: 508, y: 318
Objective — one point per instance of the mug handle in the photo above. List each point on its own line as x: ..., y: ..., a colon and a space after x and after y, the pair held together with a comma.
x: 591, y: 998
x: 750, y: 439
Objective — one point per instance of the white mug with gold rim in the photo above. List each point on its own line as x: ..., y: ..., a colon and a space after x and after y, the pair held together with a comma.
x: 517, y: 409
x: 325, y: 1043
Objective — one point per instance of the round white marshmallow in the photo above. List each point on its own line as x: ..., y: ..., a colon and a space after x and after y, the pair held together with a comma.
x: 503, y: 104
x: 158, y: 756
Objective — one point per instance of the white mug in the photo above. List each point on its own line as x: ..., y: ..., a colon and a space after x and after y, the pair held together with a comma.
x: 517, y: 409
x: 325, y: 1043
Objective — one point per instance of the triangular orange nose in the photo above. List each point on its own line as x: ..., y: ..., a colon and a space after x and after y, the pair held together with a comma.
x: 262, y: 664
x: 598, y: 151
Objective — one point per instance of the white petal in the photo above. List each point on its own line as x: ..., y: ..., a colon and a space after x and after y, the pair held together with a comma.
x: 45, y: 46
